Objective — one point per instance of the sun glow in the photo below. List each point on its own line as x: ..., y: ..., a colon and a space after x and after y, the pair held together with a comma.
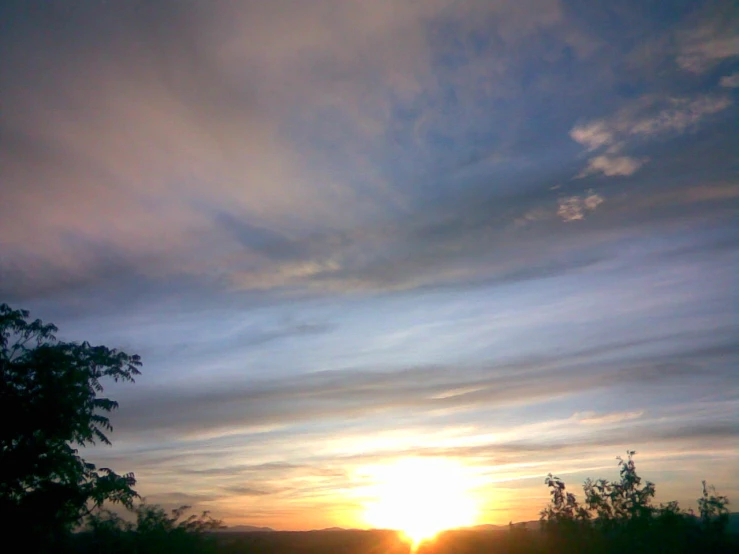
x: 420, y: 497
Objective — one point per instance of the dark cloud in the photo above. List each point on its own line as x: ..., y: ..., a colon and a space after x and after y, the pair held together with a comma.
x: 265, y: 241
x: 246, y: 491
x: 177, y: 499
x: 289, y: 330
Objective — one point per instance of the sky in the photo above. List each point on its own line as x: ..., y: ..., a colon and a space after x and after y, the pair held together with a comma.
x: 343, y: 233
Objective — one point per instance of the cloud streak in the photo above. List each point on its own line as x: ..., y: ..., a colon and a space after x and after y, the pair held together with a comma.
x: 336, y: 395
x: 648, y: 118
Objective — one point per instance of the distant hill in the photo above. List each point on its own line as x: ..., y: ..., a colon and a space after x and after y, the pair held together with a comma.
x: 490, y: 527
x: 254, y: 529
x: 533, y: 525
x: 484, y: 527
x: 246, y: 529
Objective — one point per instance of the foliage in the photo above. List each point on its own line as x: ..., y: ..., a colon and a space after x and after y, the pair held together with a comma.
x: 563, y: 506
x: 154, y: 530
x: 620, y: 516
x: 621, y: 500
x: 49, y: 393
x: 713, y: 508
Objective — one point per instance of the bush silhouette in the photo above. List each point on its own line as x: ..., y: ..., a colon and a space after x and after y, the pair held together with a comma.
x: 153, y: 531
x: 620, y: 516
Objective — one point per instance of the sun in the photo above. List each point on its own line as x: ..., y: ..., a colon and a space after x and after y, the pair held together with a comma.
x: 420, y: 497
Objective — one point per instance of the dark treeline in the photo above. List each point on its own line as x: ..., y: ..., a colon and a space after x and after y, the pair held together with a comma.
x: 53, y: 501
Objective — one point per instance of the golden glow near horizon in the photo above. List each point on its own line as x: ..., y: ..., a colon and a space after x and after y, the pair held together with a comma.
x: 420, y: 497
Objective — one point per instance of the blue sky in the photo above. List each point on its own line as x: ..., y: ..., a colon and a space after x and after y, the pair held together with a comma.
x: 341, y: 233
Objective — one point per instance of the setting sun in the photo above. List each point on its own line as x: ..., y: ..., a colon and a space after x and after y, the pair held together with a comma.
x: 420, y: 497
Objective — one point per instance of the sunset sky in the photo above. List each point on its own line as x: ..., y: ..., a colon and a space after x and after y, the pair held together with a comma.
x: 500, y: 235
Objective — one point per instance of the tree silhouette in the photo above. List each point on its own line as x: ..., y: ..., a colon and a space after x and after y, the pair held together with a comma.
x: 49, y: 398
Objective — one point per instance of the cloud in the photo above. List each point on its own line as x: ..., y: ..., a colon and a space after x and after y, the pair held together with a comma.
x: 702, y: 52
x: 672, y: 437
x: 511, y: 452
x: 593, y: 135
x: 178, y: 499
x: 285, y: 330
x: 713, y: 40
x: 730, y: 81
x: 324, y: 164
x: 647, y: 118
x: 592, y: 418
x: 611, y: 166
x: 679, y: 115
x: 337, y: 395
x: 226, y: 160
x: 247, y: 491
x: 573, y: 208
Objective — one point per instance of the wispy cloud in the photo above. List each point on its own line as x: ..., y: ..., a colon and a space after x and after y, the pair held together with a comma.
x: 573, y: 208
x: 646, y: 119
x: 593, y: 418
x: 610, y: 165
x: 730, y: 81
x: 353, y: 393
x: 714, y: 40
